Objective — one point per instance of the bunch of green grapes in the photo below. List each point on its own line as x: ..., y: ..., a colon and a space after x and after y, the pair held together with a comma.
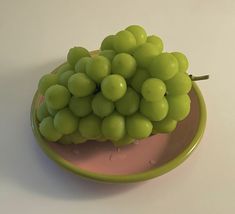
x: 129, y: 90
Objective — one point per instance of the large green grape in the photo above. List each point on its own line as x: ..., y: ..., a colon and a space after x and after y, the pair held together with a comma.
x: 101, y: 106
x: 126, y: 140
x: 80, y: 106
x: 75, y: 54
x: 153, y: 89
x: 113, y: 87
x: 65, y: 121
x: 46, y: 81
x: 179, y: 106
x: 155, y: 111
x: 64, y: 77
x: 182, y: 61
x: 81, y: 64
x: 138, y: 126
x: 80, y: 85
x: 124, y: 42
x: 129, y: 103
x: 98, y: 68
x: 164, y: 66
x: 109, y: 54
x: 47, y: 129
x: 57, y: 97
x: 179, y: 84
x: 137, y: 80
x: 139, y: 33
x: 107, y: 43
x: 145, y: 53
x: 113, y: 127
x: 42, y: 111
x: 164, y: 126
x: 155, y: 40
x: 124, y: 64
x: 90, y: 127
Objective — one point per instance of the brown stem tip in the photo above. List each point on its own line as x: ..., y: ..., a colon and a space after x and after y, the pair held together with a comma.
x: 197, y: 78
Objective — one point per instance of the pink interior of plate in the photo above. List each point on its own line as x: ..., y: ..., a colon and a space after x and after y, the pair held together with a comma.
x: 103, y: 157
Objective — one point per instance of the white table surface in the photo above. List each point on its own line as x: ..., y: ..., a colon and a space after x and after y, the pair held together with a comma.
x: 34, y: 39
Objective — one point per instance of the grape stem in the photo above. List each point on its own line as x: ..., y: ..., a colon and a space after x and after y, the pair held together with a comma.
x: 197, y: 78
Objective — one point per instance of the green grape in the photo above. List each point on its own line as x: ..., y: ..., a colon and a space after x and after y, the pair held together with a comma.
x: 57, y: 97
x: 64, y: 77
x: 65, y: 121
x: 107, y: 43
x: 138, y: 79
x: 182, y: 60
x: 98, y: 68
x: 138, y: 126
x: 155, y: 40
x: 155, y: 111
x: 65, y: 67
x: 163, y: 66
x: 113, y: 127
x: 179, y: 84
x: 52, y: 111
x: 42, y: 111
x: 77, y: 138
x: 113, y: 87
x: 47, y: 129
x: 46, y: 81
x: 129, y: 103
x: 66, y: 139
x: 179, y: 106
x: 124, y: 64
x: 164, y: 126
x: 109, y: 54
x: 139, y: 33
x: 90, y: 127
x: 80, y: 106
x: 153, y: 89
x: 81, y: 64
x: 80, y: 85
x: 144, y: 54
x: 126, y: 140
x: 124, y: 42
x: 75, y: 54
x: 101, y: 106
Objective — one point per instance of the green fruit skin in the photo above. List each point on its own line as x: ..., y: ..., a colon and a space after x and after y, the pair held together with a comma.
x: 155, y: 40
x: 124, y: 64
x: 129, y: 103
x: 52, y: 111
x: 65, y: 67
x: 42, y: 111
x: 182, y: 60
x: 138, y: 126
x: 144, y: 54
x: 80, y: 85
x: 47, y: 81
x: 107, y: 43
x: 124, y: 42
x: 113, y: 127
x: 108, y: 54
x: 65, y: 121
x: 137, y: 80
x: 126, y: 140
x: 163, y: 66
x: 90, y: 127
x: 155, y: 111
x: 64, y: 77
x: 179, y: 84
x: 48, y: 131
x: 139, y: 33
x: 80, y: 66
x: 75, y: 54
x: 98, y: 68
x: 167, y: 125
x: 80, y: 106
x: 57, y: 97
x: 179, y: 106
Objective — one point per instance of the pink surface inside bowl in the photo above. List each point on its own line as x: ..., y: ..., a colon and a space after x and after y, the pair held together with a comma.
x: 139, y: 161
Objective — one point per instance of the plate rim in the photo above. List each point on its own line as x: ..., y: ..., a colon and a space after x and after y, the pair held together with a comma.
x: 136, y: 177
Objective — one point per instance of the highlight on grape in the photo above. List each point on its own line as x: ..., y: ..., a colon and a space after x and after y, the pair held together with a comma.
x: 131, y: 89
